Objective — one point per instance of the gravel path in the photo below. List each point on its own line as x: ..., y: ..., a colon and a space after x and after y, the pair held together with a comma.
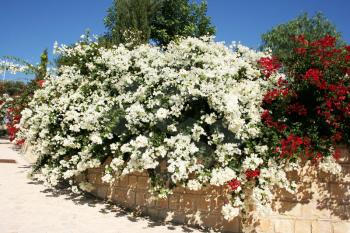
x: 29, y: 207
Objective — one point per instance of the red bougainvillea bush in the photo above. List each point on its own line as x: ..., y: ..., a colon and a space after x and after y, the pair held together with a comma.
x: 307, y: 112
x: 12, y: 106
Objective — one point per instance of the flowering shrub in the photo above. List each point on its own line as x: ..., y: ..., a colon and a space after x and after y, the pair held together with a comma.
x: 12, y: 106
x: 11, y: 115
x: 190, y: 115
x: 308, y: 110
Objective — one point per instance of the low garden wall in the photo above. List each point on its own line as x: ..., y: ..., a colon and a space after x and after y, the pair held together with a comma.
x: 322, y: 204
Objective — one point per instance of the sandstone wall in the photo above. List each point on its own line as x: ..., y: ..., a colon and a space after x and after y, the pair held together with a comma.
x: 322, y: 204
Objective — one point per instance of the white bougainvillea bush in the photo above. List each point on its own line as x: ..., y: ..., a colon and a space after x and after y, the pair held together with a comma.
x: 188, y: 114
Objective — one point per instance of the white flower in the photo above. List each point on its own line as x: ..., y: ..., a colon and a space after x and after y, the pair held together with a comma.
x: 107, y: 178
x: 75, y: 189
x: 252, y: 162
x: 194, y: 185
x: 197, y: 131
x: 220, y: 176
x: 96, y: 138
x: 116, y: 163
x: 86, y: 186
x: 229, y: 212
x: 172, y: 128
x: 162, y: 113
x: 330, y: 165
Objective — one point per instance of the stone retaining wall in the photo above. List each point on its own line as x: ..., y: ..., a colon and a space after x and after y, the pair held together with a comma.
x: 322, y: 204
x: 196, y: 208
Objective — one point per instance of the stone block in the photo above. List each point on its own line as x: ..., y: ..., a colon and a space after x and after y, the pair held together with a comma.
x: 174, y: 202
x: 178, y: 217
x: 163, y: 203
x: 153, y: 213
x: 321, y: 227
x: 102, y: 191
x: 233, y: 225
x: 302, y: 226
x: 131, y: 198
x: 216, y: 203
x: 313, y: 210
x: 186, y: 202
x: 265, y: 225
x: 132, y: 182
x: 212, y: 221
x: 140, y: 199
x: 292, y: 209
x: 123, y: 181
x: 284, y: 226
x: 341, y: 227
x: 203, y: 203
x: 142, y: 183
x: 340, y: 192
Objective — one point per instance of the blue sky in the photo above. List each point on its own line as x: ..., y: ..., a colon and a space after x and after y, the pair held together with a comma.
x: 28, y: 27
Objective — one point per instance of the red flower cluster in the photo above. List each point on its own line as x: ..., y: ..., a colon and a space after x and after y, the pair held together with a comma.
x: 327, y: 41
x: 314, y: 76
x: 269, y: 65
x: 268, y: 120
x: 313, y: 101
x: 336, y: 155
x: 11, y: 125
x: 41, y: 83
x: 270, y: 96
x: 234, y: 184
x: 297, y: 108
x: 291, y: 145
x: 252, y: 173
x: 301, y: 40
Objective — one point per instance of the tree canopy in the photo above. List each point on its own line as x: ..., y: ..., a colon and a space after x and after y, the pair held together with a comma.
x: 281, y: 38
x: 160, y: 22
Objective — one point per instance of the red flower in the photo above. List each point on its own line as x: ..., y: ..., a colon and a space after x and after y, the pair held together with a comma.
x: 327, y: 41
x: 337, y: 136
x: 300, y: 51
x: 20, y: 142
x: 313, y: 74
x: 270, y: 96
x: 268, y: 120
x: 297, y: 108
x: 301, y: 39
x: 269, y: 65
x: 281, y: 82
x: 252, y: 173
x: 11, y: 130
x: 234, y: 184
x: 291, y: 144
x: 336, y: 155
x: 347, y: 48
x: 41, y: 83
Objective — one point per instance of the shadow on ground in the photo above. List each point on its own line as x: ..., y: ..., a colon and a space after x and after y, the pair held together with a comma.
x: 106, y: 207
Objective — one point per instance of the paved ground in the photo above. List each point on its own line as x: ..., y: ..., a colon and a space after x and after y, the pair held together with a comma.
x: 29, y: 207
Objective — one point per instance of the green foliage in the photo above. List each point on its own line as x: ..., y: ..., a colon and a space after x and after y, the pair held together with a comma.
x: 138, y: 21
x: 281, y: 38
x: 12, y: 88
x: 179, y: 18
x: 40, y: 71
x: 128, y: 20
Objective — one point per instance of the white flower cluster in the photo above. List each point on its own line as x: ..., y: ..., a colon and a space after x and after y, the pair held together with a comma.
x: 11, y: 67
x: 330, y: 165
x: 5, y: 101
x: 188, y: 114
